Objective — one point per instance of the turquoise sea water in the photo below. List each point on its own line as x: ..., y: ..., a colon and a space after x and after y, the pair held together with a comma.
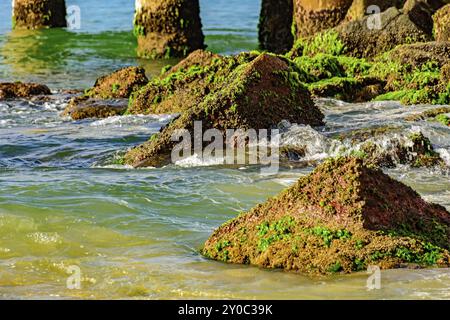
x: 136, y: 233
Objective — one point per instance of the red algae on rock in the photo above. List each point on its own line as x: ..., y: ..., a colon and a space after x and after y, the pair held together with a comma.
x: 343, y: 217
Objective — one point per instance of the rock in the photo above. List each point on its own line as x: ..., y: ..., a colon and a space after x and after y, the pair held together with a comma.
x: 35, y: 14
x: 104, y: 98
x: 348, y: 89
x: 445, y: 74
x: 391, y: 146
x: 343, y: 217
x: 275, y: 26
x: 168, y: 28
x: 312, y: 16
x: 257, y: 94
x: 442, y: 24
x: 185, y: 84
x: 362, y: 39
x: 85, y: 107
x: 119, y: 84
x: 441, y: 114
x: 22, y: 90
x: 360, y: 8
x: 419, y: 54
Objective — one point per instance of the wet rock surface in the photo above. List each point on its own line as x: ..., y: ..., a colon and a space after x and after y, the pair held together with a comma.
x: 341, y: 218
x: 256, y: 94
x: 11, y: 90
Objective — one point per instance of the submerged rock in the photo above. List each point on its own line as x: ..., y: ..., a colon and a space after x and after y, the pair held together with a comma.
x: 168, y: 28
x: 22, y: 90
x: 275, y: 26
x: 441, y: 114
x: 85, y: 107
x: 34, y: 14
x: 256, y: 94
x: 442, y: 24
x: 343, y: 217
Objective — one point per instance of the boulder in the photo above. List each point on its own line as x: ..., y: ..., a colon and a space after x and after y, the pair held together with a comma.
x: 106, y: 97
x: 275, y: 26
x: 35, y: 14
x: 168, y: 28
x: 361, y: 8
x: 119, y: 84
x: 442, y: 24
x: 22, y: 90
x: 419, y: 54
x: 343, y: 217
x: 312, y: 16
x: 256, y: 94
x: 85, y: 107
x: 185, y: 84
x: 363, y: 39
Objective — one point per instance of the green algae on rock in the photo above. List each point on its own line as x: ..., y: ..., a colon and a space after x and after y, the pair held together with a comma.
x: 11, y: 90
x: 343, y: 217
x: 35, y: 14
x: 104, y: 98
x: 185, y: 84
x: 257, y: 94
x: 442, y: 24
x: 119, y: 84
x: 168, y: 28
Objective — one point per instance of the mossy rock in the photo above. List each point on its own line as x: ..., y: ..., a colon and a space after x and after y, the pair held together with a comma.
x: 436, y: 114
x: 343, y: 217
x: 396, y: 28
x: 106, y: 97
x: 85, y: 107
x: 442, y: 24
x: 186, y: 84
x: 119, y: 84
x: 256, y: 95
x: 12, y: 90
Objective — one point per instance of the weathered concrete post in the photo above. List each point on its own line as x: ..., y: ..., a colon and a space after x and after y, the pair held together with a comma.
x: 312, y: 16
x: 168, y: 28
x: 35, y: 14
x: 275, y: 25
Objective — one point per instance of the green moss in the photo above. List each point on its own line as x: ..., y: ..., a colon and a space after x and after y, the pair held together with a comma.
x: 444, y: 119
x: 328, y: 235
x: 326, y: 42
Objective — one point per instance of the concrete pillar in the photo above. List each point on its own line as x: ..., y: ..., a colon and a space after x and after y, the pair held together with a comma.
x: 35, y: 14
x: 313, y: 16
x: 168, y: 28
x: 275, y: 25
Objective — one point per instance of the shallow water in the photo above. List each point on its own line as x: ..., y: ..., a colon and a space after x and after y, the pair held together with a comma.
x: 136, y: 233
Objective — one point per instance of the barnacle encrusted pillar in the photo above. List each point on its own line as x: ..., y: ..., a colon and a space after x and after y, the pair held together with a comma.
x: 313, y: 16
x: 35, y: 14
x: 275, y: 25
x: 168, y: 28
